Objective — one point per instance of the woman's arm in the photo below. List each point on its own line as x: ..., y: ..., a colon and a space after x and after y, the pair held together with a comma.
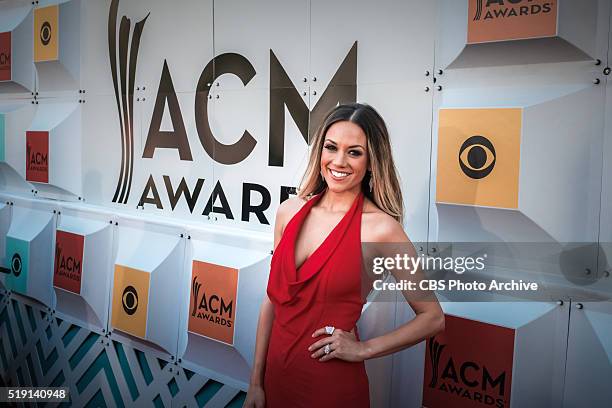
x: 428, y: 321
x: 429, y: 318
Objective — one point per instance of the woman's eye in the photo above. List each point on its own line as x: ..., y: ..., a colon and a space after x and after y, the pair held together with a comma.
x: 330, y: 147
x: 355, y: 153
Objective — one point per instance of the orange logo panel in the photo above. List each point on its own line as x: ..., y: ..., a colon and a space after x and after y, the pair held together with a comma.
x: 130, y: 300
x: 501, y: 20
x: 478, y: 157
x: 212, y: 311
x: 46, y: 41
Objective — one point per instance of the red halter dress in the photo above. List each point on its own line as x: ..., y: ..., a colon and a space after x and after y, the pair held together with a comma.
x: 324, y: 291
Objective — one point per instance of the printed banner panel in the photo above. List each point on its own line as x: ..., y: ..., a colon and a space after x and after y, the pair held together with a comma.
x: 499, y: 20
x: 68, y: 270
x: 213, y: 301
x: 18, y: 257
x: 478, y: 157
x: 46, y: 33
x: 37, y: 156
x: 130, y: 300
x: 469, y: 365
x: 5, y: 56
x: 224, y: 136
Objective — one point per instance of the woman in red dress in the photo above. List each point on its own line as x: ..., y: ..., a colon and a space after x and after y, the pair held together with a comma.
x: 308, y: 352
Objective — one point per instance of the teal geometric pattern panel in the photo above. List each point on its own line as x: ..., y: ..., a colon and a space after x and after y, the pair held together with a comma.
x: 39, y: 349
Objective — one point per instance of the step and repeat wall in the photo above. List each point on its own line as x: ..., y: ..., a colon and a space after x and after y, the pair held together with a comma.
x: 146, y: 145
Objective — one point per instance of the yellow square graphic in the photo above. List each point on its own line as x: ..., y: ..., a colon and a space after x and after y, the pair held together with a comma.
x: 478, y: 157
x: 130, y: 300
x: 46, y: 34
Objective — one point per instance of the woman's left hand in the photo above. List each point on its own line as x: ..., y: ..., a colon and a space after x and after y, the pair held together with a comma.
x: 343, y: 345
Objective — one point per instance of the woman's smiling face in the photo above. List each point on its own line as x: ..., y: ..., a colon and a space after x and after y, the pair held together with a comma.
x: 344, y: 159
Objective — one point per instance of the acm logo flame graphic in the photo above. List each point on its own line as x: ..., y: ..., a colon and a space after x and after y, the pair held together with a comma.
x: 478, y: 10
x: 124, y: 60
x: 435, y: 349
x: 195, y: 289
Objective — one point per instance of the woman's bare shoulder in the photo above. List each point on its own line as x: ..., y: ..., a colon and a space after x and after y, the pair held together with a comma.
x: 288, y: 208
x: 378, y: 226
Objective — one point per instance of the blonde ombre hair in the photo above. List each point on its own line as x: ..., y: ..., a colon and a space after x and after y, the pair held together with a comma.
x: 386, y: 192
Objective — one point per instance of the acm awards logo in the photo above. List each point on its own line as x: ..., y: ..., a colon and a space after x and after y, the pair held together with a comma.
x: 467, y: 380
x: 37, y: 161
x: 494, y: 9
x: 123, y: 69
x: 213, y: 309
x: 37, y: 156
x: 67, y: 265
x: 213, y: 300
x: 477, y: 157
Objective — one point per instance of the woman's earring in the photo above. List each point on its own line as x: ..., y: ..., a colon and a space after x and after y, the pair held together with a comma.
x: 371, y: 182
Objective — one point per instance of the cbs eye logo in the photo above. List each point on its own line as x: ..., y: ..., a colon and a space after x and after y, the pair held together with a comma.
x: 16, y: 265
x: 477, y: 157
x: 45, y: 33
x: 129, y: 300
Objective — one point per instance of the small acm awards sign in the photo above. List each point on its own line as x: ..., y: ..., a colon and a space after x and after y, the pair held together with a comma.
x: 68, y: 266
x: 212, y: 311
x: 469, y: 365
x: 37, y: 156
x: 505, y: 20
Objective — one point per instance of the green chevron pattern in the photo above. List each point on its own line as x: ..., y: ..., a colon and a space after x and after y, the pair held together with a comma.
x: 39, y: 349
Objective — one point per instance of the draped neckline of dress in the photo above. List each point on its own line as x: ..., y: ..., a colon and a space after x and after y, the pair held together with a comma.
x: 312, y: 264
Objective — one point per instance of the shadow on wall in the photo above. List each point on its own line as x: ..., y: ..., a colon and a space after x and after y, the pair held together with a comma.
x: 10, y: 180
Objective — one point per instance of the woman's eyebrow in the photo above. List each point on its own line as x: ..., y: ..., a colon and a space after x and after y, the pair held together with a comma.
x: 350, y: 147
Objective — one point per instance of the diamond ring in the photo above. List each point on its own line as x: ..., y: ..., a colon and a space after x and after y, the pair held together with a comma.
x: 327, y: 349
x: 329, y: 329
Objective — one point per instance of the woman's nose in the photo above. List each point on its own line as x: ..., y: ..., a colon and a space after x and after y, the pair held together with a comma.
x: 339, y: 159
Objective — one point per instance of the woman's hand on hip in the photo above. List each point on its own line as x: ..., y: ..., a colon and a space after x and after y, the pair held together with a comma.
x: 255, y: 397
x: 343, y: 345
